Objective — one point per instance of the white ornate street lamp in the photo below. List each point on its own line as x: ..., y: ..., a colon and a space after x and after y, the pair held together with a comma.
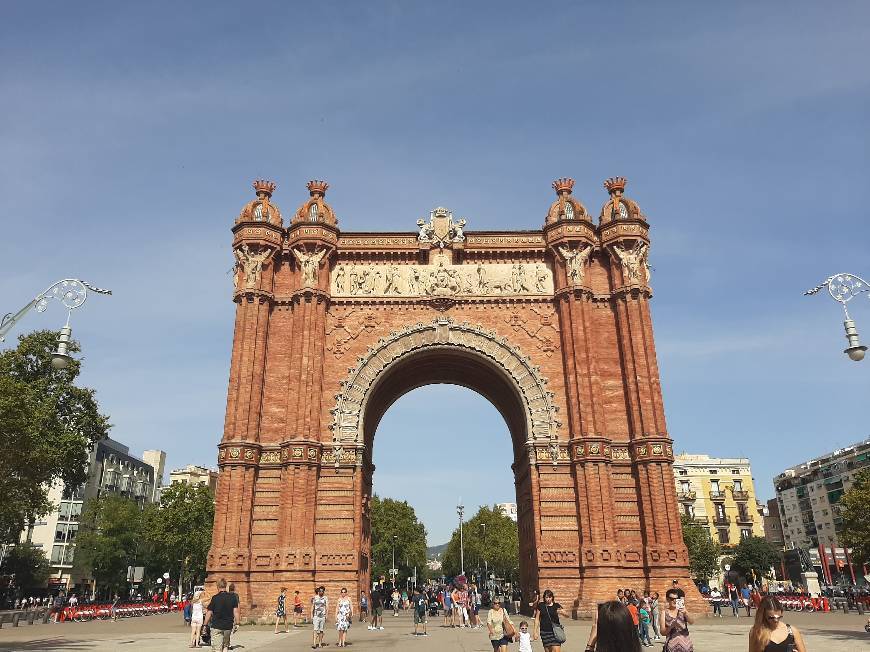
x: 843, y: 288
x: 72, y: 293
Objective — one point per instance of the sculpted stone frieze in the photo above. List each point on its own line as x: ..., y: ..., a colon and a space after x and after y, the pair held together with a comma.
x: 441, y: 280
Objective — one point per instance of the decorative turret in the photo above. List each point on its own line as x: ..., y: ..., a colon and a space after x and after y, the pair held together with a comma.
x: 619, y: 207
x: 261, y: 209
x: 315, y: 210
x: 624, y: 234
x: 566, y: 207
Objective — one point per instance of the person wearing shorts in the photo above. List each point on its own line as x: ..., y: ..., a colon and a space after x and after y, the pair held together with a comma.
x: 319, y: 609
x: 297, y: 609
x: 377, y: 608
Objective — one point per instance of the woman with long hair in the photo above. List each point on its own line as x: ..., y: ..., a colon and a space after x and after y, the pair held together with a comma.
x: 281, y: 610
x: 674, y: 623
x: 613, y: 630
x: 546, y: 616
x: 770, y: 634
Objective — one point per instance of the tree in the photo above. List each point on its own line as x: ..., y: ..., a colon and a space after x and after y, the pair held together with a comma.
x: 391, y: 518
x: 496, y: 546
x: 177, y: 532
x: 855, y: 512
x: 703, y: 551
x: 109, y: 540
x: 49, y: 423
x: 754, y: 556
x: 29, y: 566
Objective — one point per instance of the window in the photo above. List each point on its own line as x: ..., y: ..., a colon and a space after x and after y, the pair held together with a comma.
x: 312, y: 212
x: 569, y: 210
x: 720, y: 512
x: 738, y: 485
x: 682, y: 472
x: 723, y: 536
x: 714, y: 486
x: 61, y: 532
x: 57, y: 554
x: 745, y: 533
x: 713, y: 472
x: 685, y: 486
x: 689, y: 510
x: 735, y: 471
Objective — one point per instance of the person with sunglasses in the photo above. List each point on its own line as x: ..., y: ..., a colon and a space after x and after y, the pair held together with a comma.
x: 674, y: 623
x: 770, y: 634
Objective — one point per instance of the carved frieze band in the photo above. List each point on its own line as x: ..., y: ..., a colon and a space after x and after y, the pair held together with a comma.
x: 541, y: 421
x: 441, y: 280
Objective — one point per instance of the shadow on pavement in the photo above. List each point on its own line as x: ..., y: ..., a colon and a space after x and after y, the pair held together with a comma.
x: 47, y: 644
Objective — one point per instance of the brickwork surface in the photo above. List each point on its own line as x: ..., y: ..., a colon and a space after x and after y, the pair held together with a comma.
x: 559, y: 338
x: 843, y: 633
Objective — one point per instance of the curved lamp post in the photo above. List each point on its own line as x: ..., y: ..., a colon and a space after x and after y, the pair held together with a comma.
x: 460, y: 510
x: 72, y: 293
x: 843, y: 288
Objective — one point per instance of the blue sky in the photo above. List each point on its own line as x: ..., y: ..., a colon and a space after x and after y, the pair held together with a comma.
x: 131, y: 132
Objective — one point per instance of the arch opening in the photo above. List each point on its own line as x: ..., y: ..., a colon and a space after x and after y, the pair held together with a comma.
x: 452, y: 364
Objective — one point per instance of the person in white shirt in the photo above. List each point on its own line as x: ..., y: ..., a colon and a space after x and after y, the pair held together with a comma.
x: 197, y: 615
x: 524, y: 637
x: 715, y: 598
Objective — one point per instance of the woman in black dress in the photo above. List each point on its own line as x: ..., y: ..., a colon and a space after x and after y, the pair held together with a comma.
x: 546, y: 615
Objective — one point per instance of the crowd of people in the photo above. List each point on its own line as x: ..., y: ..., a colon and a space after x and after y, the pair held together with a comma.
x: 632, y: 620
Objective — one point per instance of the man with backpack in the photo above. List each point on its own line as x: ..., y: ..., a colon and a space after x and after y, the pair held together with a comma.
x: 419, y: 603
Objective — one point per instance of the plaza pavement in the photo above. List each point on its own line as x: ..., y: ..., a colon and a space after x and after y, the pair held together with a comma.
x: 833, y: 632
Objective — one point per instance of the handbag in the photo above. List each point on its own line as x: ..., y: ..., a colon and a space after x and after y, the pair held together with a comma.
x: 558, y: 630
x: 508, y: 627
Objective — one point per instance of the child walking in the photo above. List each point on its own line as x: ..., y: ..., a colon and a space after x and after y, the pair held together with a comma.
x: 524, y: 637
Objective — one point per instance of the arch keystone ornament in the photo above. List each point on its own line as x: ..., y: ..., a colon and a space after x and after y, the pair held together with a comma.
x: 552, y: 326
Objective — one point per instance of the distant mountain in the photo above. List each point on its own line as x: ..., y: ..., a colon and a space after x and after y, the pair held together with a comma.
x: 435, y: 552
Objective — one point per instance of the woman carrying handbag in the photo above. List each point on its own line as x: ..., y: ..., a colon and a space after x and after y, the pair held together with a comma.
x: 547, y: 624
x: 501, y: 629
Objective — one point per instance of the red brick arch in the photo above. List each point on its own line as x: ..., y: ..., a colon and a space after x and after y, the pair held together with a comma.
x: 552, y: 326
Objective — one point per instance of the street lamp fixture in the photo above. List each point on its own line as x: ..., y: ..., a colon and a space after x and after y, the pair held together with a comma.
x: 72, y: 293
x: 460, y: 510
x: 843, y: 288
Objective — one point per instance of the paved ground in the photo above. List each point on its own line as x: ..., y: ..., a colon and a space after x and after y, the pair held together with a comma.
x: 834, y: 632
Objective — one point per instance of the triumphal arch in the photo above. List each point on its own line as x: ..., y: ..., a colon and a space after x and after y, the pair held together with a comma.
x: 552, y: 325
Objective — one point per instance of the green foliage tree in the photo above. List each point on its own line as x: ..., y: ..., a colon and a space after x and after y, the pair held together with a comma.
x: 754, y: 556
x: 29, y: 565
x: 109, y: 540
x: 496, y: 546
x: 855, y: 512
x: 48, y: 422
x: 391, y: 518
x: 703, y: 551
x: 177, y: 532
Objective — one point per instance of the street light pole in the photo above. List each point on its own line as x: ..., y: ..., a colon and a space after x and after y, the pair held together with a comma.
x: 460, y: 509
x: 485, y: 562
x: 72, y: 293
x: 843, y: 288
x: 393, y: 567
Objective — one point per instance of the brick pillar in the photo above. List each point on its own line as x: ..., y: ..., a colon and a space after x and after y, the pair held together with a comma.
x: 239, y: 451
x: 650, y: 448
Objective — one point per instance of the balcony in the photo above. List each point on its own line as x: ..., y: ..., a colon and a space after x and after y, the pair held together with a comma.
x: 717, y: 495
x: 740, y: 495
x: 744, y: 519
x: 719, y: 521
x: 686, y: 496
x: 701, y: 520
